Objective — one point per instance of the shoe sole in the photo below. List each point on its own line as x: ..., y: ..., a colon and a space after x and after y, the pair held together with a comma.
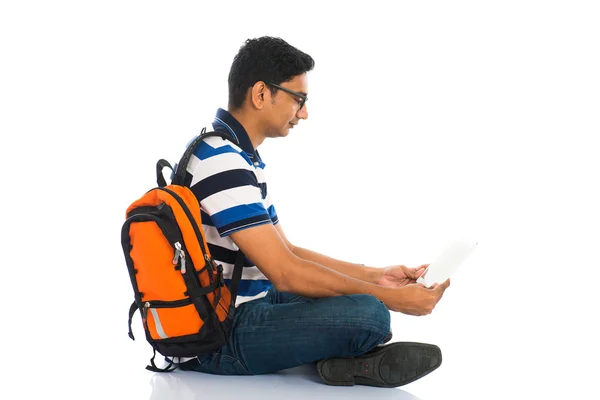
x: 392, y: 365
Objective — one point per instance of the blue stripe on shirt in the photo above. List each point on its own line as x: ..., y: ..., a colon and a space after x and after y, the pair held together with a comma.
x: 251, y: 287
x: 206, y: 220
x: 223, y: 181
x: 272, y: 213
x: 238, y: 213
x: 204, y: 150
x: 249, y: 223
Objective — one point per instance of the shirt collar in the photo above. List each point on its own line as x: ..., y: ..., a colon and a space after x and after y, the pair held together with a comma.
x: 224, y: 121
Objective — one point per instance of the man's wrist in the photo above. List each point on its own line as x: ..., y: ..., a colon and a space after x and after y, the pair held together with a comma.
x: 372, y: 274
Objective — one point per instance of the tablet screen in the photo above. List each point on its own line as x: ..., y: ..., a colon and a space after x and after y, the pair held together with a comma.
x: 451, y: 257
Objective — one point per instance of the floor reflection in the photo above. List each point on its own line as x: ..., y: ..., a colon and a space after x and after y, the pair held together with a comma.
x: 296, y: 383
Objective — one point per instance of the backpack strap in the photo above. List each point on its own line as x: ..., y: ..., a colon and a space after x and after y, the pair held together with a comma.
x: 236, y: 276
x: 179, y: 179
x: 179, y: 173
x: 179, y: 176
x: 160, y: 165
x: 132, y: 311
x: 171, y: 367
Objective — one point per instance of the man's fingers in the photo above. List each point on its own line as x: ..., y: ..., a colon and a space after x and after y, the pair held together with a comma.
x: 443, y: 286
x: 412, y: 273
x: 415, y: 273
x: 420, y: 269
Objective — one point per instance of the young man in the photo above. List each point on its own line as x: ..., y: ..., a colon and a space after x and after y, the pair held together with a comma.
x: 294, y: 306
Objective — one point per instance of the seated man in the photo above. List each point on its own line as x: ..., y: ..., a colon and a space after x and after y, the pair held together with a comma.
x: 294, y: 306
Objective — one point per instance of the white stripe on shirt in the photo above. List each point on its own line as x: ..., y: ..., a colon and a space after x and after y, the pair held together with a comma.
x: 229, y: 198
x: 216, y: 164
x: 252, y: 273
x: 244, y: 299
x: 212, y: 236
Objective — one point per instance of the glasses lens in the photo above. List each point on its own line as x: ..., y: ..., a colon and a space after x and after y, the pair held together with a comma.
x: 302, y: 98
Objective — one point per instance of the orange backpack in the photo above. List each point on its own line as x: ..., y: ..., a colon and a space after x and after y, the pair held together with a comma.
x: 185, y: 305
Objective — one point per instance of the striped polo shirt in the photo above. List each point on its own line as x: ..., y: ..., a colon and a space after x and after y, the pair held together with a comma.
x: 230, y: 185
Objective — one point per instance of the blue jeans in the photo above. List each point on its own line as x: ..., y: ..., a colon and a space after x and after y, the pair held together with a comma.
x: 283, y: 330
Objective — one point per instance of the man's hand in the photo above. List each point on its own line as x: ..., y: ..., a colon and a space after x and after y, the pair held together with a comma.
x: 414, y: 299
x: 400, y: 275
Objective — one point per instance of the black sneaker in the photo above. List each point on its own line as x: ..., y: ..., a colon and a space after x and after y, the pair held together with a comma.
x: 393, y: 365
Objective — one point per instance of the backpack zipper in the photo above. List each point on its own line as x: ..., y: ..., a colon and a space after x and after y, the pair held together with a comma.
x: 179, y: 255
x: 209, y: 264
x: 167, y: 304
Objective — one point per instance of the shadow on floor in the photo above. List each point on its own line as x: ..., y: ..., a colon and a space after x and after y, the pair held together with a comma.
x: 295, y: 383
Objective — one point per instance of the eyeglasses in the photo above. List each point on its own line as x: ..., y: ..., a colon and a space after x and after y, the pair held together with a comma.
x: 302, y: 97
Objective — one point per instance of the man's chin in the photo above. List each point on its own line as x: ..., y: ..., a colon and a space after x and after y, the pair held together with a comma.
x: 286, y: 131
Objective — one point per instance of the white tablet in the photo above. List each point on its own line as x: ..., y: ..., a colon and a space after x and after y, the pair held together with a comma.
x: 451, y: 257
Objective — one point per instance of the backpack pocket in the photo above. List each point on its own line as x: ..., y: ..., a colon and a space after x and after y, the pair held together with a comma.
x: 170, y: 319
x: 174, y: 328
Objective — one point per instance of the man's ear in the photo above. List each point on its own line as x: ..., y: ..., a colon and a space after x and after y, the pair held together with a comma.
x: 258, y: 94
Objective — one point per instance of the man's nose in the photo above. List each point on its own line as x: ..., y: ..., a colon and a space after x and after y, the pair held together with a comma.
x: 302, y: 113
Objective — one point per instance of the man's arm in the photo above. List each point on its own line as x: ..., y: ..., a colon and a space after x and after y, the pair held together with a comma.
x: 358, y: 271
x: 290, y: 273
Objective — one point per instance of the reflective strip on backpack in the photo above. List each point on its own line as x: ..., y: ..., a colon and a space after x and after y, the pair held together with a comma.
x: 159, y: 328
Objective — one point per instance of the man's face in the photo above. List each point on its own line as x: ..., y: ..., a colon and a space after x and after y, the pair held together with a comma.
x: 285, y: 110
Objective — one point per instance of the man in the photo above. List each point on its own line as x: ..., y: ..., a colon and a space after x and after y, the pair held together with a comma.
x: 294, y: 306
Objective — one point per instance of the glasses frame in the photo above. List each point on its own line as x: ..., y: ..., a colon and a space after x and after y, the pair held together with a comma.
x: 302, y: 96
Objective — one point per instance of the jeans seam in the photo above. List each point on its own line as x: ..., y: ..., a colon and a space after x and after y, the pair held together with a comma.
x: 295, y: 299
x: 234, y: 361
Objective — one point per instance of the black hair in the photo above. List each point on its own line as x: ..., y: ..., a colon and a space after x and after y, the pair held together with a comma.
x: 267, y: 59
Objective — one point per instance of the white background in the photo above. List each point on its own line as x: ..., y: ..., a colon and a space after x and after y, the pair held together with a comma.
x: 427, y: 120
